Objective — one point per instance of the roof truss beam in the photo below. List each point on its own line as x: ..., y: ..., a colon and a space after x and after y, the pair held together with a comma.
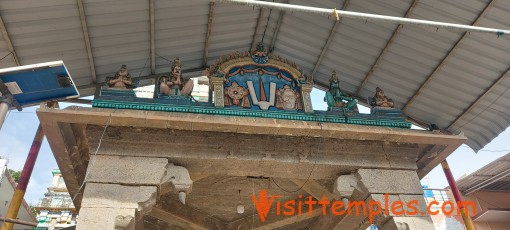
x: 277, y: 28
x: 152, y: 35
x: 86, y: 39
x: 434, y: 73
x: 209, y: 31
x: 258, y: 27
x: 386, y: 48
x: 328, y: 41
x: 7, y: 39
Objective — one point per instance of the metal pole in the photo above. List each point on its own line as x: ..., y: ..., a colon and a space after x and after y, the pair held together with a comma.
x: 367, y: 17
x: 456, y: 194
x: 4, y: 108
x: 19, y: 193
x: 9, y: 220
x: 21, y: 188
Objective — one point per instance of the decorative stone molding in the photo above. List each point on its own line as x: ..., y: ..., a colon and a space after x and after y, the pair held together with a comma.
x: 178, y: 177
x: 306, y: 89
x: 217, y: 86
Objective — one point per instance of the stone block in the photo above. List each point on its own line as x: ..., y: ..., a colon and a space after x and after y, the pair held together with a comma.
x: 345, y: 185
x: 118, y: 196
x: 389, y: 181
x: 411, y: 223
x: 106, y: 218
x: 127, y: 170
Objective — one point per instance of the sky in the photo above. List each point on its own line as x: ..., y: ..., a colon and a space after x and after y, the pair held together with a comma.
x: 19, y: 129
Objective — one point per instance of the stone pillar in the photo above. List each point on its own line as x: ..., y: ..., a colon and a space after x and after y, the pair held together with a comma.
x: 120, y: 190
x: 306, y: 89
x: 371, y: 185
x: 217, y: 83
x: 113, y: 206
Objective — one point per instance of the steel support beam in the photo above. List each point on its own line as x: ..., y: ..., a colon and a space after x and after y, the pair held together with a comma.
x: 9, y: 42
x: 277, y: 29
x: 86, y: 39
x: 258, y: 27
x: 209, y: 31
x: 328, y: 41
x: 16, y: 221
x: 386, y: 48
x: 433, y: 75
x: 152, y: 35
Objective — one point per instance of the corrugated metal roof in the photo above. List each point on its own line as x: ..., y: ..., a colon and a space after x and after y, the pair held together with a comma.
x: 460, y: 68
x: 493, y: 177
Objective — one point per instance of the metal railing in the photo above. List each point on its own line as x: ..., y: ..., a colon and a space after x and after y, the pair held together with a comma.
x: 439, y: 195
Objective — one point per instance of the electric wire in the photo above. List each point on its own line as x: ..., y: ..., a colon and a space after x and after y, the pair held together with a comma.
x: 6, y: 56
x: 141, y: 71
x: 310, y: 174
x: 479, y: 113
x: 93, y: 159
x: 487, y: 150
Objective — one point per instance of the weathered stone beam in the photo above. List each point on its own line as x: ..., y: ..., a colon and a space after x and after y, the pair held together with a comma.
x: 173, y: 209
x: 272, y: 220
x: 315, y: 189
x: 174, y: 219
x: 383, y: 186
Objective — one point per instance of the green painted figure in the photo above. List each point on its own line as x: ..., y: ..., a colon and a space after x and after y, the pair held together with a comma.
x: 335, y: 98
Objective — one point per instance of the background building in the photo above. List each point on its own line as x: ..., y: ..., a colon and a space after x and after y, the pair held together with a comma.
x: 441, y: 220
x: 489, y: 187
x: 56, y: 209
x: 7, y: 186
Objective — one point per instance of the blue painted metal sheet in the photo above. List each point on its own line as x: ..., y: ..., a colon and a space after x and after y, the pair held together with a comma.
x: 39, y: 83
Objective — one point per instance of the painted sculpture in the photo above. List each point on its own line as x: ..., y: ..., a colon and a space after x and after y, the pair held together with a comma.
x: 174, y: 85
x: 250, y: 84
x: 380, y: 100
x: 257, y: 81
x: 288, y: 99
x: 335, y: 98
x: 237, y: 95
x: 121, y: 80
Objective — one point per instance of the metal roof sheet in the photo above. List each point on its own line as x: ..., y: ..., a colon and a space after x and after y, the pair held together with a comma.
x: 466, y: 90
x: 493, y: 177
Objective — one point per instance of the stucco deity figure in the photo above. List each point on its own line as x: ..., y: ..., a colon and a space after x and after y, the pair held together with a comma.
x: 288, y: 99
x: 335, y: 98
x: 381, y: 100
x: 121, y: 80
x: 174, y: 84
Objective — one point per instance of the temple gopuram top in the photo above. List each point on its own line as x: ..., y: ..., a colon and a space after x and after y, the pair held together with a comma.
x: 250, y: 84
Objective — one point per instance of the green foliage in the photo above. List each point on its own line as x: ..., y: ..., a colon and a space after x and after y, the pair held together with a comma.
x: 32, y: 208
x: 15, y: 174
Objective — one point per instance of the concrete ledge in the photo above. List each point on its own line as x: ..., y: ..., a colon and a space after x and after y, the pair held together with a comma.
x: 128, y: 170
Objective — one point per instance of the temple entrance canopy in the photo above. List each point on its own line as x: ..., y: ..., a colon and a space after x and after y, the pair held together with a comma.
x: 170, y: 161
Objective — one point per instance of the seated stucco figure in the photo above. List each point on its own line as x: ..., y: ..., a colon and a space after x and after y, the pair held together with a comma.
x: 380, y: 100
x: 335, y: 98
x: 121, y: 80
x: 174, y: 84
